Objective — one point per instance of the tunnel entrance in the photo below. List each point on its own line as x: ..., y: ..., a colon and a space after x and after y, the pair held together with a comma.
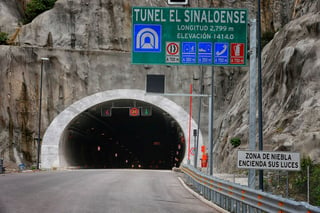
x: 124, y: 133
x: 59, y: 148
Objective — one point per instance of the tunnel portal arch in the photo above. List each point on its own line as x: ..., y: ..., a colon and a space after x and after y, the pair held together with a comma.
x: 53, y: 156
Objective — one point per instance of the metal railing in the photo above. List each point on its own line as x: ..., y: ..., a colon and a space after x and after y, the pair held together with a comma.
x: 237, y: 198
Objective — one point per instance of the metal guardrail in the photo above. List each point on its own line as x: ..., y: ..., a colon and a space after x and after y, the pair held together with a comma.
x: 236, y: 198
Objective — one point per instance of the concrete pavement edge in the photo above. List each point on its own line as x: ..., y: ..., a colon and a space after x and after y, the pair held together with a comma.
x: 209, y: 203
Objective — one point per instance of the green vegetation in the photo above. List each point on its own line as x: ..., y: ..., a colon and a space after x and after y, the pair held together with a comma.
x: 36, y: 7
x: 3, y: 38
x: 300, y: 180
x: 235, y: 142
x: 295, y: 183
x: 279, y: 130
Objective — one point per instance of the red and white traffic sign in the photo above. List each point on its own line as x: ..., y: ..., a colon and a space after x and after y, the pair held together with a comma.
x: 173, y: 52
x: 173, y: 48
x: 134, y: 111
x: 192, y: 151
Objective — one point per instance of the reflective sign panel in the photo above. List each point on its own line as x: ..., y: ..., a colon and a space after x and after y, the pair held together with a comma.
x: 189, y: 36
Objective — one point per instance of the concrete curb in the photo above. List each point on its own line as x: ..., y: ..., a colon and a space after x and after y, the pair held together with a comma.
x: 209, y: 203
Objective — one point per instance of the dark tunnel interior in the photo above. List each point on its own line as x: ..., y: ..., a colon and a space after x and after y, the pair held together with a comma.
x: 124, y: 134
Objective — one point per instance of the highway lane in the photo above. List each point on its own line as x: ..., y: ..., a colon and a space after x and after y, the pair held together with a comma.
x: 86, y: 191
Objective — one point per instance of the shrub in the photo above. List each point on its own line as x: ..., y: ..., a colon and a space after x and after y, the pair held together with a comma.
x: 3, y: 38
x: 36, y: 7
x: 235, y: 142
x: 300, y: 180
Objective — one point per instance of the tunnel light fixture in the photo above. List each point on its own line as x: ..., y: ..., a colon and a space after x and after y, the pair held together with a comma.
x: 178, y: 2
x: 179, y: 146
x: 156, y: 143
x: 45, y: 59
x: 106, y: 112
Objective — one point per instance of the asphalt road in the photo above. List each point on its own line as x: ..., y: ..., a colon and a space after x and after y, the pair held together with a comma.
x: 86, y: 191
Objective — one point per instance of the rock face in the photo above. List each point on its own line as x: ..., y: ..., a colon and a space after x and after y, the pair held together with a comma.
x: 76, y: 32
x: 10, y: 14
x: 293, y: 85
x: 291, y: 104
x: 106, y: 24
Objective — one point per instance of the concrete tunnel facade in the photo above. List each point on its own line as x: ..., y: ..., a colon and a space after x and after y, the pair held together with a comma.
x: 53, y: 152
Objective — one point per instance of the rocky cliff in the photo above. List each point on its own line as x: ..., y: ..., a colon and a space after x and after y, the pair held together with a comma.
x: 290, y: 71
x: 106, y: 24
x: 291, y: 64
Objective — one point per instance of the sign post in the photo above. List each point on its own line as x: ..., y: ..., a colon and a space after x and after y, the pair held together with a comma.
x: 189, y: 36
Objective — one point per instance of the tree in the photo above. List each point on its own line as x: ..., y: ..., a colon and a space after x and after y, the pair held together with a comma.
x: 36, y: 7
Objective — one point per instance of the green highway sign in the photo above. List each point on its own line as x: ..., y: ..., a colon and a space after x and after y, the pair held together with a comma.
x: 189, y: 36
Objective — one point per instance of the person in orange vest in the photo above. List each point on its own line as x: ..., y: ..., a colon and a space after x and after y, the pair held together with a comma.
x: 204, y: 159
